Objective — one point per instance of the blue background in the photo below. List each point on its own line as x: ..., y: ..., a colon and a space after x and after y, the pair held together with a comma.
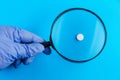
x: 37, y: 16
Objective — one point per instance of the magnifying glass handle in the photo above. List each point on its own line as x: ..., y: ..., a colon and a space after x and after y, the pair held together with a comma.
x: 46, y: 44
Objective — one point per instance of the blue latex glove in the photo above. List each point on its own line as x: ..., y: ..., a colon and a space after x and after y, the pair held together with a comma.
x: 14, y: 47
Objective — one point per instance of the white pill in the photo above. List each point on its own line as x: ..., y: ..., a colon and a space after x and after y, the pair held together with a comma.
x: 80, y: 37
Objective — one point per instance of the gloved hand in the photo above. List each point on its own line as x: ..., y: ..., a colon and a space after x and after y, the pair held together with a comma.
x: 19, y: 46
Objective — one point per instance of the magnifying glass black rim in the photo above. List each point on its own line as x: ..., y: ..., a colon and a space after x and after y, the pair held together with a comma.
x: 68, y: 59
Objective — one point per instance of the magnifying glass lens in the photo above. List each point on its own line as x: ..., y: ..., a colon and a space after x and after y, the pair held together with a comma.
x: 78, y: 35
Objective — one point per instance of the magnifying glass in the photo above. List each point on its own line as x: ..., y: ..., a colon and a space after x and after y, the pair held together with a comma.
x: 77, y: 35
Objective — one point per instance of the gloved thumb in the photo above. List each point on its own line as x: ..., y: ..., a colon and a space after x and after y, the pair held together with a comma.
x: 28, y: 50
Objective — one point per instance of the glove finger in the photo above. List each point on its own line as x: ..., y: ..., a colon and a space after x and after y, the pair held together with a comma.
x: 27, y: 61
x: 47, y: 51
x: 17, y: 63
x: 26, y: 36
x: 21, y: 35
x: 28, y: 50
